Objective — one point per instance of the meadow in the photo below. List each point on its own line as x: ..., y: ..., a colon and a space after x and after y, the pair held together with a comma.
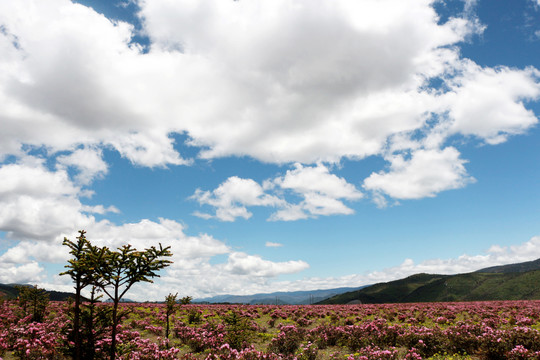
x: 465, y: 330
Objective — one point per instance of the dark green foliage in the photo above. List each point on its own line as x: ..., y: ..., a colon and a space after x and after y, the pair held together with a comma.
x: 82, y: 270
x: 186, y: 300
x: 239, y: 330
x: 170, y: 302
x: 120, y: 270
x: 194, y: 316
x: 520, y: 267
x: 95, y: 322
x: 33, y: 301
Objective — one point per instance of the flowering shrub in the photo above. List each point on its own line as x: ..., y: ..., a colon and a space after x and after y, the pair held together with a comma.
x: 426, y: 341
x: 521, y: 353
x: 156, y: 330
x: 32, y: 340
x: 326, y: 335
x: 377, y: 332
x: 374, y: 353
x: 287, y: 341
x: 307, y: 352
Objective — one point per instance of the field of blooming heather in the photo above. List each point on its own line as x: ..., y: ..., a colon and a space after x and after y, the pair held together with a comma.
x: 476, y: 330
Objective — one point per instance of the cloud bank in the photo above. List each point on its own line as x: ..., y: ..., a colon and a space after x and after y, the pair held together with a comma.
x: 279, y: 81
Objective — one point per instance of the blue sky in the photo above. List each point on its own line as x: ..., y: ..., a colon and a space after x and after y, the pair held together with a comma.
x: 274, y: 145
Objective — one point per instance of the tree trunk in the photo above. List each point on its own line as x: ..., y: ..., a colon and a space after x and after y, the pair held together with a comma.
x: 91, y: 351
x: 76, y: 320
x: 167, y: 327
x: 114, y: 322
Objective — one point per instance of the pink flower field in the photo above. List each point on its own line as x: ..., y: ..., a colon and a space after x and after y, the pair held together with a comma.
x: 475, y: 330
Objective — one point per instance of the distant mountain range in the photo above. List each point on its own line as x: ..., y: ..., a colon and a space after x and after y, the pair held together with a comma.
x: 10, y: 291
x: 507, y: 282
x: 281, y: 298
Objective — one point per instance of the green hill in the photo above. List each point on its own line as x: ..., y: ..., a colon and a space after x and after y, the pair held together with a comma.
x: 520, y: 267
x: 10, y: 291
x: 390, y: 292
x: 462, y: 287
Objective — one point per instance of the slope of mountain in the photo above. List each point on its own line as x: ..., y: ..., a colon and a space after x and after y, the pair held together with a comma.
x: 10, y: 291
x: 481, y: 286
x: 474, y: 286
x: 519, y: 267
x: 390, y: 292
x: 291, y: 298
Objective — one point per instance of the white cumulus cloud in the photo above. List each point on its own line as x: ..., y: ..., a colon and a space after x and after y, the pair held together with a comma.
x: 252, y: 265
x: 29, y: 273
x: 37, y: 203
x: 231, y: 198
x: 88, y: 162
x: 425, y: 174
x: 489, y: 103
x: 322, y: 193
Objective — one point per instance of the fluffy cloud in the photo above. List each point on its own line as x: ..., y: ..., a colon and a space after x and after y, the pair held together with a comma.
x: 231, y: 197
x: 28, y: 252
x: 244, y: 264
x: 307, y: 72
x: 317, y: 179
x: 149, y: 233
x: 37, y: 203
x: 426, y: 173
x: 148, y: 149
x: 30, y: 273
x: 497, y: 110
x: 320, y: 190
x: 88, y: 162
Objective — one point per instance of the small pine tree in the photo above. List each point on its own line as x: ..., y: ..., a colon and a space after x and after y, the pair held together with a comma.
x: 33, y: 300
x: 186, y: 300
x: 120, y: 270
x: 112, y: 272
x: 170, y: 302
